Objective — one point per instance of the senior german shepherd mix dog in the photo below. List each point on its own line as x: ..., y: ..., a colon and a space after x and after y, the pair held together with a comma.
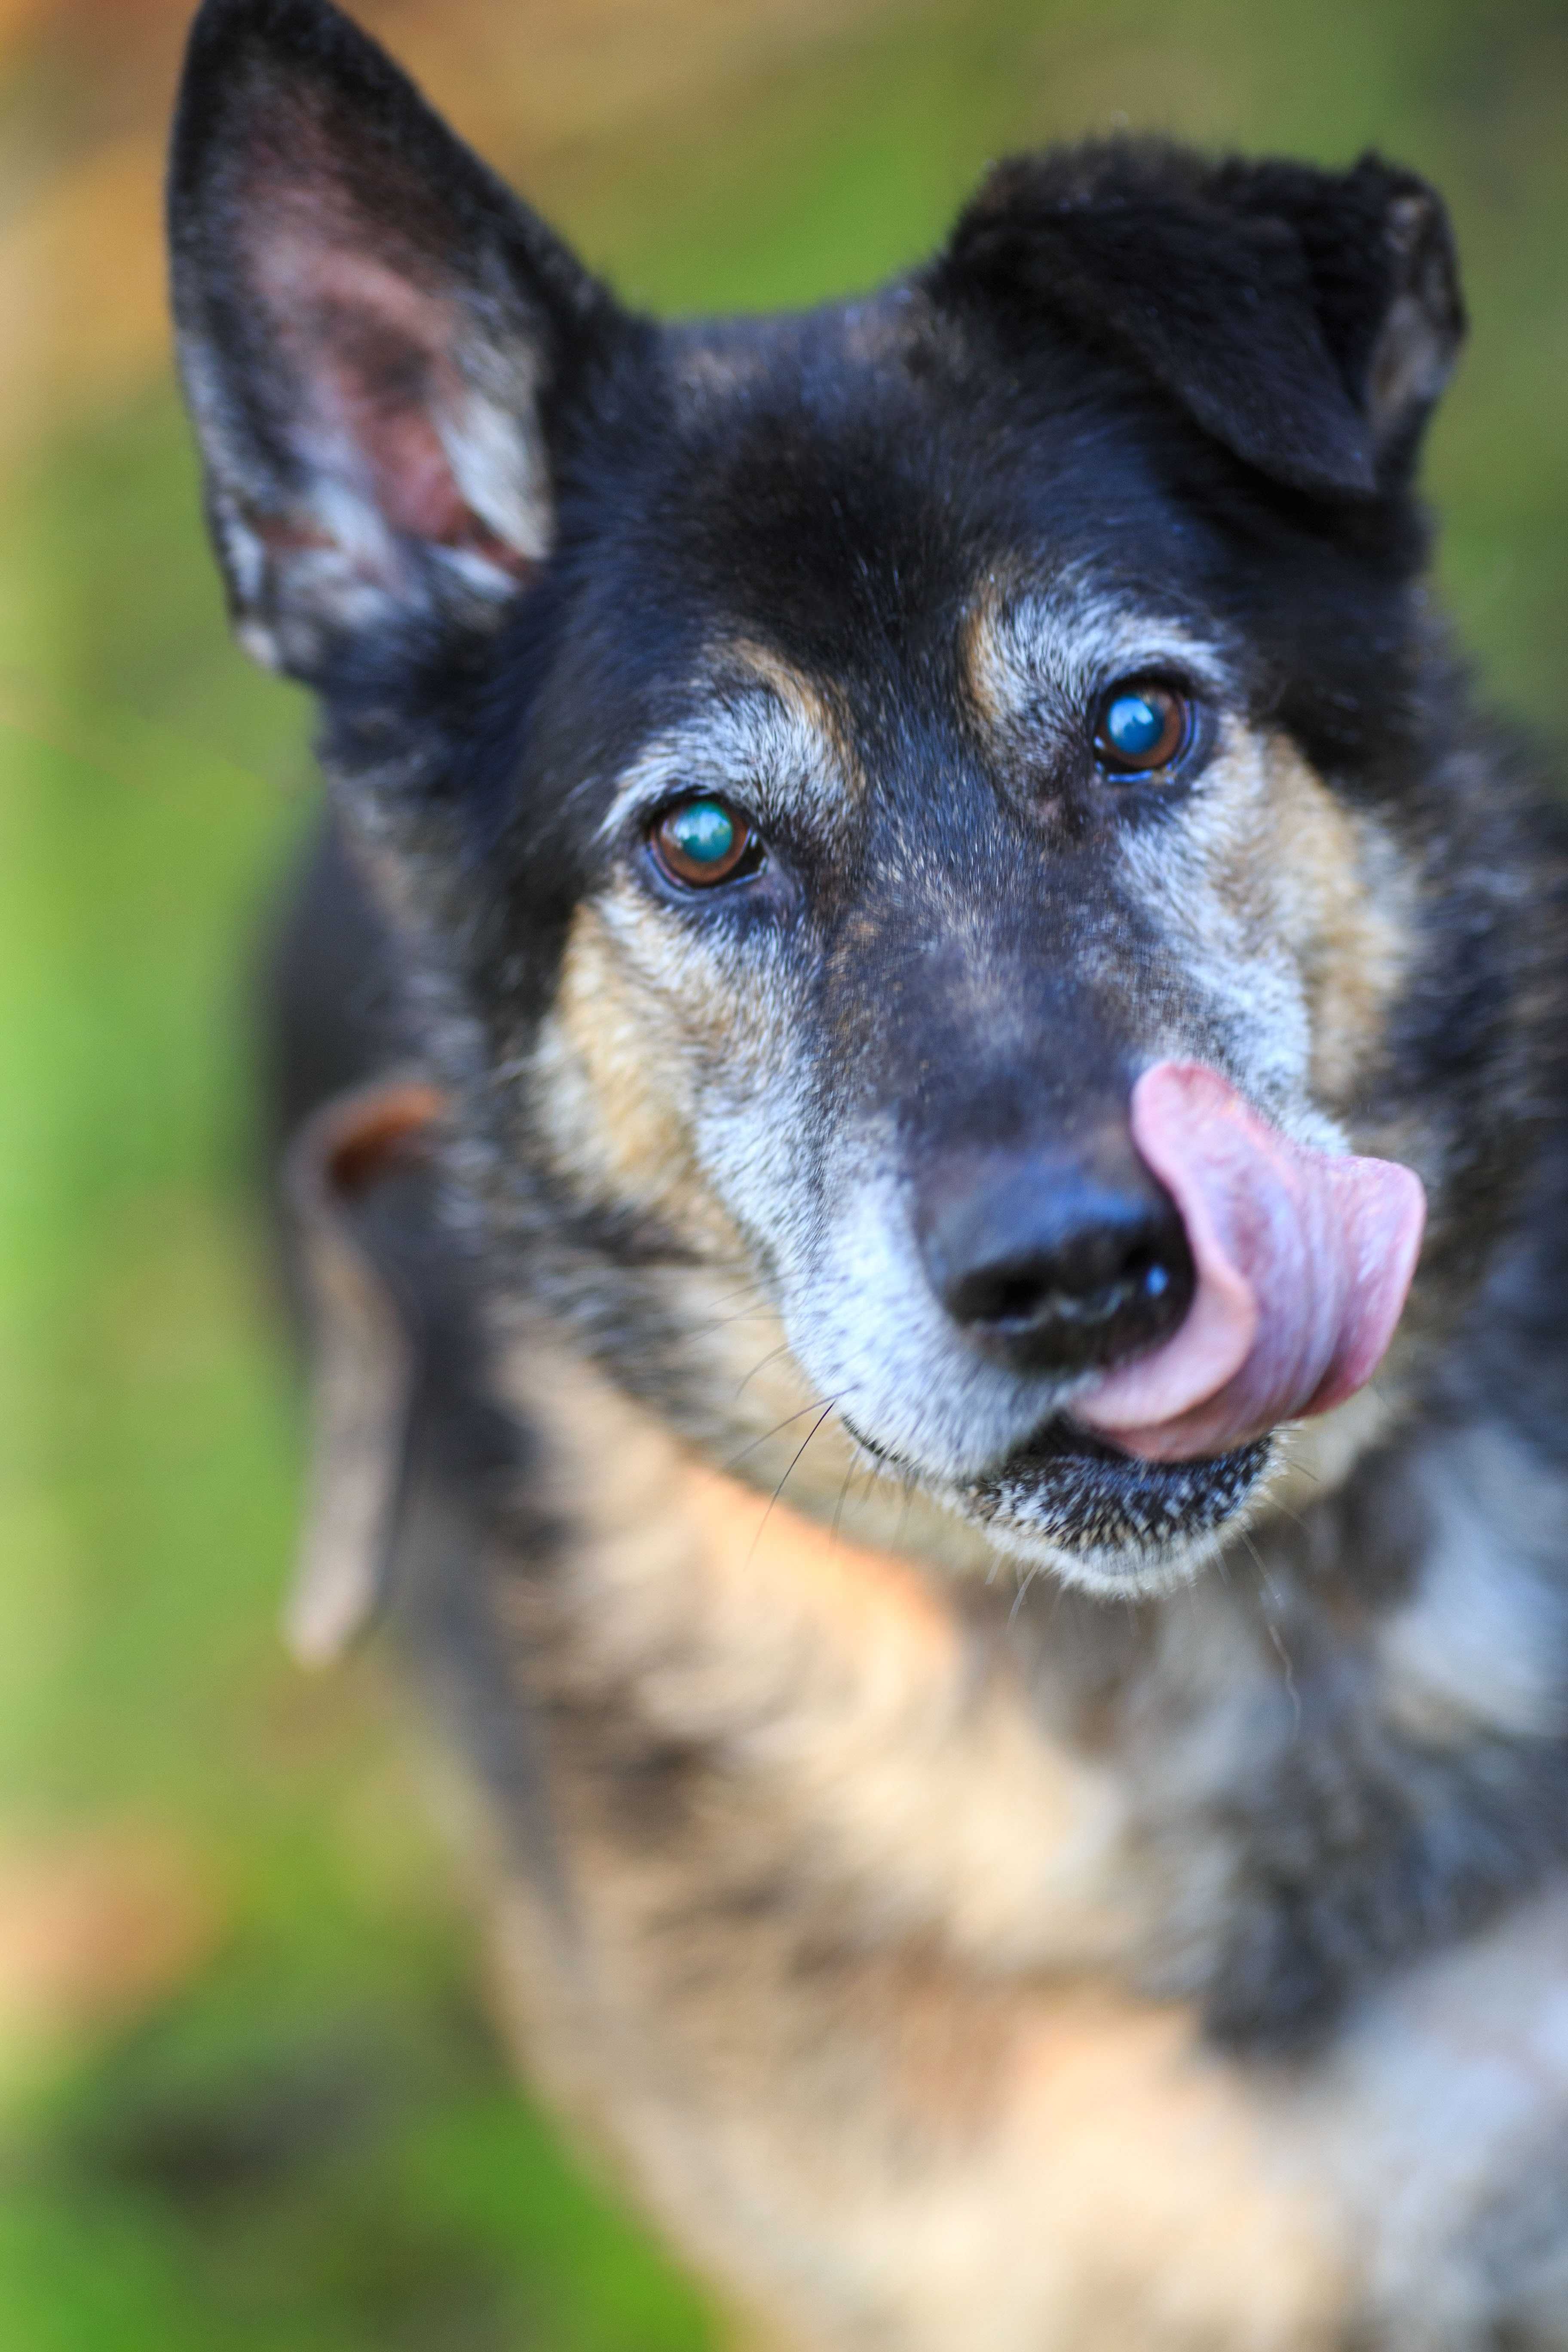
x: 915, y: 906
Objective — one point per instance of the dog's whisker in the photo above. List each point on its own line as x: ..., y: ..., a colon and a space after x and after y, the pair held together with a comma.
x: 695, y: 1331
x: 756, y: 1302
x: 1273, y: 1610
x: 838, y: 1506
x: 1284, y: 1512
x: 1294, y: 1464
x: 909, y: 1486
x: 789, y: 1473
x: 799, y: 1414
x: 770, y: 1357
x: 1022, y: 1593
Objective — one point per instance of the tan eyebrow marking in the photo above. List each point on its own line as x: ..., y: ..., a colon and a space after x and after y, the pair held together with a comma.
x: 991, y: 678
x: 1041, y: 655
x: 779, y: 740
x: 815, y: 706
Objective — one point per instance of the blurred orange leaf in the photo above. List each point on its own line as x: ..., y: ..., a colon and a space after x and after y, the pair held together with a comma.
x: 95, y: 1930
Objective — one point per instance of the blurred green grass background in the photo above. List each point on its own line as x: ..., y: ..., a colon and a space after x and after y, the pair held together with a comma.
x: 248, y: 2093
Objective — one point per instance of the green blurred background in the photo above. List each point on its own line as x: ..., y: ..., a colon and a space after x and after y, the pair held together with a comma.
x: 249, y: 2095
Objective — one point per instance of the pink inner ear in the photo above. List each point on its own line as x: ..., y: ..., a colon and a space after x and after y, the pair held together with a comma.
x: 373, y: 347
x: 414, y: 487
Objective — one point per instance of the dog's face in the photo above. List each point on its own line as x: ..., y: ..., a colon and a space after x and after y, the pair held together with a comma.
x: 879, y: 922
x: 826, y: 762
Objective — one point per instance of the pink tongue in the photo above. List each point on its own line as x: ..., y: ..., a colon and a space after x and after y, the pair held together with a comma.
x: 1302, y: 1259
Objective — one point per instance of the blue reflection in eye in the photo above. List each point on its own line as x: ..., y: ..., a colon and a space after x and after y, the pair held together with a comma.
x: 703, y: 830
x: 1135, y: 726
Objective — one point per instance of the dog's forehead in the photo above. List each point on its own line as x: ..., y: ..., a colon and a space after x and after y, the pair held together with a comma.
x: 806, y: 478
x: 866, y: 488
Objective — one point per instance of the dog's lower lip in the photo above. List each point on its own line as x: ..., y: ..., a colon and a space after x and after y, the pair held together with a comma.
x: 1057, y: 1439
x: 1054, y: 1441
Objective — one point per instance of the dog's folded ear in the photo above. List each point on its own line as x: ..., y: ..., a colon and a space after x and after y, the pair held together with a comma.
x: 1306, y: 320
x: 378, y: 342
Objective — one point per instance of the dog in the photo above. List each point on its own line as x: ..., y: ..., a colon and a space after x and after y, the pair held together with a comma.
x: 924, y: 1072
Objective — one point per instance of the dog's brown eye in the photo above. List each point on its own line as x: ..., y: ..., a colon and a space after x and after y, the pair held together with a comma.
x: 699, y: 842
x: 1142, y: 726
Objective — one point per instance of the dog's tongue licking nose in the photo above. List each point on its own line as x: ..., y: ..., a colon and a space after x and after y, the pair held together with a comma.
x: 1301, y: 1260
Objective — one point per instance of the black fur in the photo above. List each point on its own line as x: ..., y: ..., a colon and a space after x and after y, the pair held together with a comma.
x: 1259, y: 294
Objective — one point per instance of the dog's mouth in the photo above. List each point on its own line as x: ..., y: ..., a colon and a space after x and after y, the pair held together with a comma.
x: 1110, y: 1518
x: 1301, y: 1260
x: 1066, y: 1499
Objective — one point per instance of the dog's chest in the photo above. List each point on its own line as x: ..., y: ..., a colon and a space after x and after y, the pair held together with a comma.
x: 855, y: 1944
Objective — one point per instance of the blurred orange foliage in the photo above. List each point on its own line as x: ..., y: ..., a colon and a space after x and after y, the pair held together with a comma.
x: 95, y: 1930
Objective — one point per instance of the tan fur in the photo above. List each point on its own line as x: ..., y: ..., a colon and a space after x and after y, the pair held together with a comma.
x: 604, y: 1068
x: 681, y: 1562
x: 1269, y: 868
x: 1329, y: 884
x: 854, y: 2005
x: 610, y: 1108
x: 1280, y: 900
x: 845, y: 1953
x: 1287, y: 913
x: 990, y: 675
x: 810, y: 702
x: 991, y: 2149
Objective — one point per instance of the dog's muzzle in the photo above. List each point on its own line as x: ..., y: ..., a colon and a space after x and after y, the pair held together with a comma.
x: 1220, y: 1277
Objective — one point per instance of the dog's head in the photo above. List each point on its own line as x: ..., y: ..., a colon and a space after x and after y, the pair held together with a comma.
x: 939, y: 818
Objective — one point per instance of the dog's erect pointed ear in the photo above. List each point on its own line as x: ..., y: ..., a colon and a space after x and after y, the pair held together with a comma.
x: 377, y: 340
x: 1308, y: 320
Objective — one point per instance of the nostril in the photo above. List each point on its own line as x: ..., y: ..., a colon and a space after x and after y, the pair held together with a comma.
x: 1045, y: 1269
x: 1020, y: 1293
x: 1004, y: 1294
x: 1012, y: 1300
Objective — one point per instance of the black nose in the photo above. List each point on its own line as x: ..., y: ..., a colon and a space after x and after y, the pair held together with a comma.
x: 1054, y: 1260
